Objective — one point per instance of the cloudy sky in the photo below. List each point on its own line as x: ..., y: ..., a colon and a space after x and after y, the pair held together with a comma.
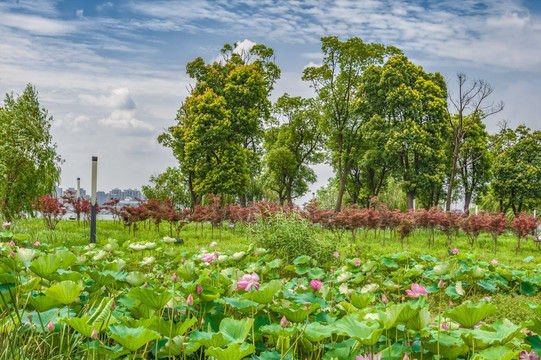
x: 112, y: 74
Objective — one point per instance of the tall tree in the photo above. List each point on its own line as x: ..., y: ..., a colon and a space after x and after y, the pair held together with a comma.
x: 413, y: 104
x: 336, y: 83
x: 168, y: 185
x: 517, y: 170
x: 474, y: 162
x: 220, y: 125
x: 292, y: 146
x: 471, y: 101
x: 29, y: 164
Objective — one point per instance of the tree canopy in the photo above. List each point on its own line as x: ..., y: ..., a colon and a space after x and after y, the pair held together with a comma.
x: 29, y: 163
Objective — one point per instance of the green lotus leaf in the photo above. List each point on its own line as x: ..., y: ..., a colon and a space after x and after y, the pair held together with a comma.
x: 301, y: 260
x: 274, y: 264
x: 440, y: 269
x: 366, y: 332
x: 450, y: 344
x: 500, y: 333
x: 233, y: 352
x: 132, y: 338
x: 175, y: 346
x: 316, y: 331
x: 151, y: 298
x: 298, y: 313
x: 528, y: 289
x: 276, y: 330
x: 536, y: 308
x: 343, y: 277
x: 389, y: 263
x: 410, y: 309
x: 468, y: 315
x: 46, y: 265
x: 62, y: 275
x: 135, y: 278
x: 67, y: 258
x: 187, y: 271
x: 170, y: 328
x: 265, y: 294
x: 25, y: 255
x: 83, y: 325
x: 102, y: 312
x: 236, y: 331
x: 42, y: 302
x: 64, y: 292
x: 419, y: 321
x: 30, y: 285
x: 207, y: 339
x: 41, y: 319
x: 497, y: 353
x: 104, y: 352
x: 478, y: 272
x: 362, y: 300
x: 392, y: 314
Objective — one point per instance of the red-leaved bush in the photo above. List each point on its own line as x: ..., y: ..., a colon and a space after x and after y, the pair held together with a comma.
x: 51, y: 209
x: 523, y: 225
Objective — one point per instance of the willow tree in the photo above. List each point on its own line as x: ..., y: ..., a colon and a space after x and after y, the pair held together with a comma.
x: 220, y: 125
x: 336, y: 84
x: 29, y: 164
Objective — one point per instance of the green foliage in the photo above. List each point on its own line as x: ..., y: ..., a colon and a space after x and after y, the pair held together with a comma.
x: 168, y: 185
x: 29, y: 164
x: 288, y: 237
x: 517, y: 170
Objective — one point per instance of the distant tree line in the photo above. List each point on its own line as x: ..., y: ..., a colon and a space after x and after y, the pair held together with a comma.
x: 384, y: 124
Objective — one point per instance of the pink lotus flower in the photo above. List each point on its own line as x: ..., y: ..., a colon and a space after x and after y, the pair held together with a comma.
x: 416, y: 291
x: 532, y: 355
x: 248, y: 281
x: 12, y: 243
x: 455, y: 251
x: 316, y: 284
x: 357, y: 262
x: 256, y: 254
x: 37, y: 243
x: 494, y: 262
x: 336, y: 254
x: 12, y: 254
x: 6, y: 224
x: 208, y: 258
x: 445, y: 327
x: 198, y: 289
x: 213, y: 244
x: 189, y: 300
x: 371, y: 356
x: 440, y: 284
x: 384, y: 299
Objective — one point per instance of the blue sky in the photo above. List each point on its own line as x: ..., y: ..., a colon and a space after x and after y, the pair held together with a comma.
x: 112, y: 74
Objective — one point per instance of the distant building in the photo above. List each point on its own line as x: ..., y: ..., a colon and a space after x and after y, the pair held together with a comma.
x: 101, y: 197
x: 58, y: 192
x: 116, y: 194
x: 131, y: 193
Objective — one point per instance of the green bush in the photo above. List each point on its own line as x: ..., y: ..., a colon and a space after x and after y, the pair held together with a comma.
x: 287, y: 236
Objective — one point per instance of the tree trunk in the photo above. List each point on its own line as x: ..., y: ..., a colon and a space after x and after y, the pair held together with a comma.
x: 341, y: 191
x: 467, y: 202
x: 452, y: 177
x: 243, y: 201
x: 409, y: 198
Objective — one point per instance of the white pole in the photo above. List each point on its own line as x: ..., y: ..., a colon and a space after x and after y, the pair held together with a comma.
x: 93, y: 199
x: 476, y: 209
x: 414, y: 204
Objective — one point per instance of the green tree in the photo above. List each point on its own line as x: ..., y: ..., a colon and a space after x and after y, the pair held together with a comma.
x: 413, y: 103
x: 336, y: 83
x: 220, y: 125
x: 29, y: 164
x: 474, y: 162
x: 168, y: 185
x: 292, y: 146
x: 517, y: 170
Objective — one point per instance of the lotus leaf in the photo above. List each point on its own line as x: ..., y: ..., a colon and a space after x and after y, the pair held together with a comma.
x: 132, y: 338
x: 265, y: 294
x: 468, y: 315
x: 233, y: 352
x: 64, y: 292
x: 150, y: 297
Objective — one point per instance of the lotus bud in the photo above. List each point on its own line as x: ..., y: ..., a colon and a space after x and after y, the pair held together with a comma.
x: 406, y: 357
x: 440, y: 284
x: 451, y: 304
x: 113, y: 306
x: 198, y: 289
x: 445, y: 327
x: 384, y: 299
x: 37, y: 243
x: 50, y: 326
x: 165, y: 284
x: 202, y: 321
x: 407, y: 249
x: 197, y: 248
x: 174, y: 278
x: 356, y: 253
x: 110, y: 254
x: 94, y: 335
x: 12, y: 254
x: 30, y: 317
x: 189, y: 300
x: 182, y: 260
x: 255, y: 254
x: 403, y: 298
x: 145, y: 284
x: 283, y: 322
x: 12, y: 243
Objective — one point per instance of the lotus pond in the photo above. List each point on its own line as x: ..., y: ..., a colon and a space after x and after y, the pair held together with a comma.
x: 156, y: 300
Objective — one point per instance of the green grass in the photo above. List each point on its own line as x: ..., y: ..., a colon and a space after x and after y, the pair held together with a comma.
x: 70, y: 232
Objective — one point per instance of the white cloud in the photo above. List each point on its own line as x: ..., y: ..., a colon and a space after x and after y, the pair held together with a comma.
x: 80, y: 13
x: 35, y: 24
x: 118, y: 99
x: 125, y: 119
